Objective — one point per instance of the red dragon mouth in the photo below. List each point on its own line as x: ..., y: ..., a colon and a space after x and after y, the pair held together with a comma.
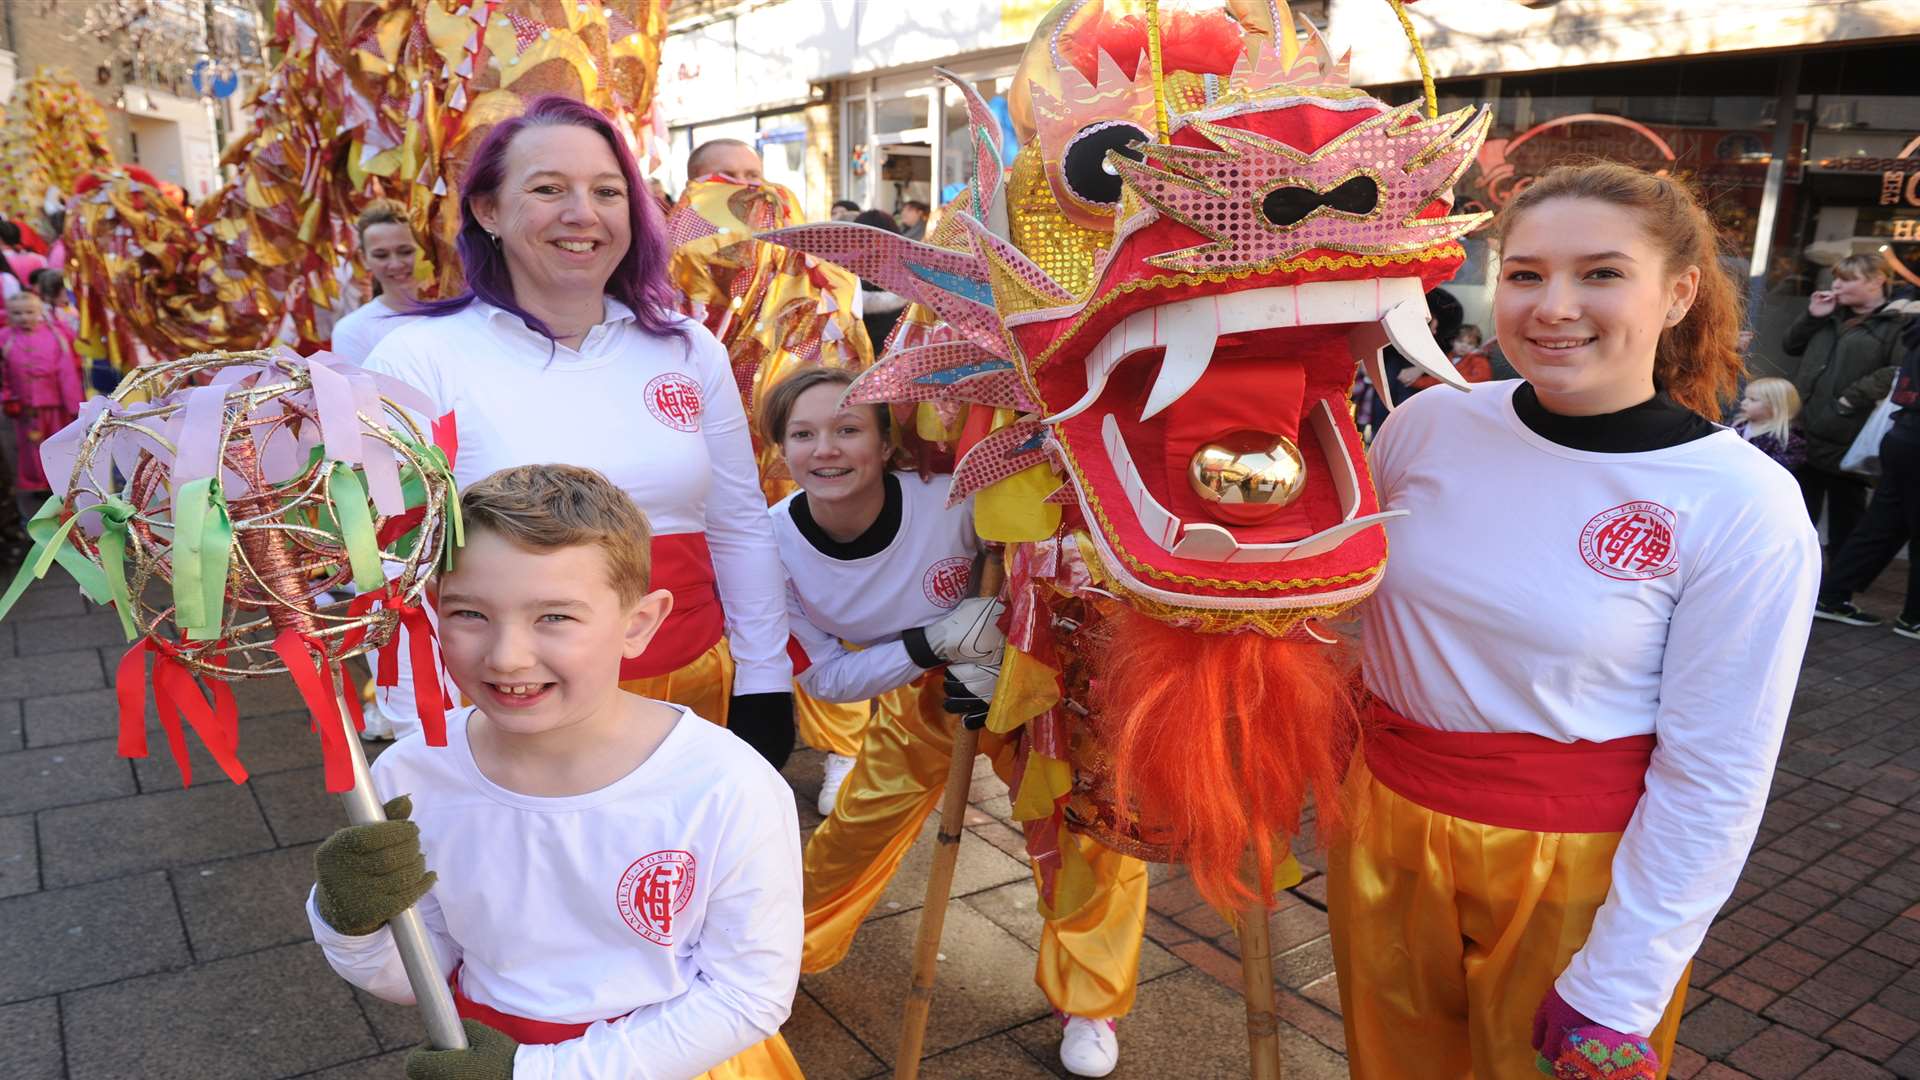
x: 1257, y: 253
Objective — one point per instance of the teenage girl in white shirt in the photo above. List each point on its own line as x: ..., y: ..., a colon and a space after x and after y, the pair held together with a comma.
x: 1581, y: 658
x: 876, y: 558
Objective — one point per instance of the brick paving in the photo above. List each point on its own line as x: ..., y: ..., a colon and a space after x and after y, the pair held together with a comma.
x: 153, y: 932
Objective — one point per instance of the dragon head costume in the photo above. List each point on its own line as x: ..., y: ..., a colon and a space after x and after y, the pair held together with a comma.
x: 1161, y: 301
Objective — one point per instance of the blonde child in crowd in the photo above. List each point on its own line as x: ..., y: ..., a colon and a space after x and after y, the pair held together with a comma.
x: 1468, y: 357
x: 41, y: 390
x: 1768, y: 411
x: 1467, y: 340
x: 615, y: 882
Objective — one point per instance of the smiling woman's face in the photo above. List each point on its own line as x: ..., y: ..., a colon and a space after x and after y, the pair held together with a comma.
x: 561, y: 212
x: 1583, y: 295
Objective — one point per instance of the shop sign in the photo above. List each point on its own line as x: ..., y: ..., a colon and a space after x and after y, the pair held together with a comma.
x: 1900, y: 187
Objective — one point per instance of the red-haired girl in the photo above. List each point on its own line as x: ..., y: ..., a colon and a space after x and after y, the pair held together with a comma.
x: 1581, y: 661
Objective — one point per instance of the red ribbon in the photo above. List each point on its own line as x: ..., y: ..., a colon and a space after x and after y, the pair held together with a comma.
x: 315, y: 681
x: 446, y: 436
x: 176, y: 694
x: 420, y: 645
x: 398, y: 526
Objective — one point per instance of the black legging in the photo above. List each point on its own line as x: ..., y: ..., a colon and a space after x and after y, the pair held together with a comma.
x: 1844, y: 496
x: 1892, y: 520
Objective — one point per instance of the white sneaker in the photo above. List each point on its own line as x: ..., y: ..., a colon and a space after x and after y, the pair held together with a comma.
x: 832, y: 775
x: 377, y: 727
x: 1089, y: 1047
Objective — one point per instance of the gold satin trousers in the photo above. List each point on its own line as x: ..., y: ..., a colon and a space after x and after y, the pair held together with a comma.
x: 1447, y: 933
x: 833, y: 727
x: 705, y: 685
x: 1089, y: 960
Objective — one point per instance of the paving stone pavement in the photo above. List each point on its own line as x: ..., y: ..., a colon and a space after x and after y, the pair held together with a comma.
x: 150, y: 932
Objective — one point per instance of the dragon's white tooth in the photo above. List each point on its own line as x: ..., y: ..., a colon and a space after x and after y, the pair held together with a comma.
x: 1206, y: 542
x: 1332, y: 302
x: 1406, y: 326
x: 1257, y: 309
x: 1160, y: 525
x: 1189, y: 332
x: 1365, y: 342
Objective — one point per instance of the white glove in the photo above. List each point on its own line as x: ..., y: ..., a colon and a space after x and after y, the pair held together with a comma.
x: 969, y: 691
x: 969, y: 633
x: 977, y: 679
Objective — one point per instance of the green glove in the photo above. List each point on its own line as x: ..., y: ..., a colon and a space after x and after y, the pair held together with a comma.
x: 488, y: 1056
x: 367, y: 874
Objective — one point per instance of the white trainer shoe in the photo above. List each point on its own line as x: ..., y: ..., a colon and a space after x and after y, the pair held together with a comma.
x: 378, y: 727
x: 1089, y: 1047
x: 833, y: 774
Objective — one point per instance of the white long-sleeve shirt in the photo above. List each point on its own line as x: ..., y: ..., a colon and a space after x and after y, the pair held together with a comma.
x: 366, y: 326
x: 669, y: 899
x: 660, y: 419
x: 837, y: 595
x: 1576, y: 595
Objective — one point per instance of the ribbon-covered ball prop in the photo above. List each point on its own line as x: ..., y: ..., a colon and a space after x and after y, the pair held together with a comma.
x: 215, y: 502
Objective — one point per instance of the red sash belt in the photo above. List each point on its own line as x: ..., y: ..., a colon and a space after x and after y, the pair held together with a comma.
x: 1513, y: 780
x: 519, y: 1028
x: 683, y: 566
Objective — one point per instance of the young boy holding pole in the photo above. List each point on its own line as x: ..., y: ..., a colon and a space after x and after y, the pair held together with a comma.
x: 616, y: 883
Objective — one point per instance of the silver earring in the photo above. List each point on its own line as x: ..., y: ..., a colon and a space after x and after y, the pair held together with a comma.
x: 495, y: 237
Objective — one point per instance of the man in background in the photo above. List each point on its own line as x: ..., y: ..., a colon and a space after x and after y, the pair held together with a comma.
x: 729, y: 157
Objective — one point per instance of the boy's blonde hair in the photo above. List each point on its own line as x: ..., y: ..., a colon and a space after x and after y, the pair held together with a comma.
x: 1860, y: 267
x: 546, y: 507
x: 1783, y: 404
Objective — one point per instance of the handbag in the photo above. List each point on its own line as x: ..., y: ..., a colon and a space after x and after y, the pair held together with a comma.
x: 1863, y: 457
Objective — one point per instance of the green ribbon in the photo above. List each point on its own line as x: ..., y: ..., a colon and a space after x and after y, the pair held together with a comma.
x: 50, y: 545
x: 413, y: 487
x: 115, y: 515
x: 202, y: 550
x: 347, y: 498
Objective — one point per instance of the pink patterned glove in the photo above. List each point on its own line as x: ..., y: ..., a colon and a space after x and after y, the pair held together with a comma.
x: 1572, y: 1047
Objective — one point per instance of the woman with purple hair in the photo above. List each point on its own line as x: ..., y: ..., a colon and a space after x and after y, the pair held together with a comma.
x: 565, y: 349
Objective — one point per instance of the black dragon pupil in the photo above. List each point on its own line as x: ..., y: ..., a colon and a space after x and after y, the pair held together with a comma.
x: 1288, y: 205
x: 1085, y: 166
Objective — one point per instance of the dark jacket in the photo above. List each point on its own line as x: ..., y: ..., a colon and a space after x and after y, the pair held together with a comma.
x: 1838, y: 362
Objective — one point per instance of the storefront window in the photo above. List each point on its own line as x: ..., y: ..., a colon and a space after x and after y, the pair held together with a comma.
x: 783, y: 151
x: 856, y: 153
x: 1713, y: 121
x: 892, y: 115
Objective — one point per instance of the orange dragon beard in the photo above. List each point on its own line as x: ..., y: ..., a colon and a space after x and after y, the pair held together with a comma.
x: 1216, y: 740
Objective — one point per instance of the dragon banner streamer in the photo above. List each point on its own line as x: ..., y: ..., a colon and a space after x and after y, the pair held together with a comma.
x: 370, y: 98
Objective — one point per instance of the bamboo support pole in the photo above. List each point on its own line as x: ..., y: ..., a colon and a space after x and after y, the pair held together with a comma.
x: 946, y: 855
x: 1256, y: 973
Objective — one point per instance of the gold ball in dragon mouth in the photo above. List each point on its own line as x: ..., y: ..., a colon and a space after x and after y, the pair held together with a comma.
x: 1247, y: 476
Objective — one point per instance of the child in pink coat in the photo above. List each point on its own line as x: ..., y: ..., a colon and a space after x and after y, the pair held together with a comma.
x: 41, y: 389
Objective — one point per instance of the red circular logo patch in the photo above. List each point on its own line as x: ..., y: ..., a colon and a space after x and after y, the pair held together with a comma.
x: 654, y: 890
x: 1631, y: 542
x: 946, y: 581
x: 674, y: 400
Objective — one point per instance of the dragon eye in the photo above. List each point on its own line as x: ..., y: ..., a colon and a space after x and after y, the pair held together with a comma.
x: 1084, y: 165
x: 1286, y: 206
